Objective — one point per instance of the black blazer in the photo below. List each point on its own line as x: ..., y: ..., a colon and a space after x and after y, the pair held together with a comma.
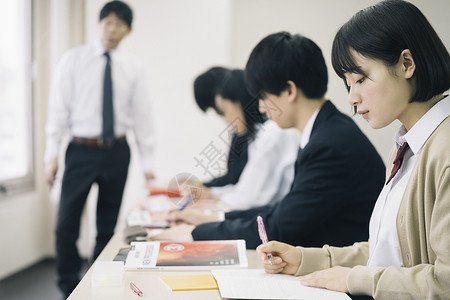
x: 338, y: 176
x: 237, y: 159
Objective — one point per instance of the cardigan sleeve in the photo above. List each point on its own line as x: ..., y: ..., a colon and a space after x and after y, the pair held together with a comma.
x: 421, y: 281
x: 315, y: 259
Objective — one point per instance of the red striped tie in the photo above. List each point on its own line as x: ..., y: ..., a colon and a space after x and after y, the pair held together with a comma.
x: 398, y: 160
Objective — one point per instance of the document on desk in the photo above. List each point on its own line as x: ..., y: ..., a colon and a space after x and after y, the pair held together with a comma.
x: 256, y: 284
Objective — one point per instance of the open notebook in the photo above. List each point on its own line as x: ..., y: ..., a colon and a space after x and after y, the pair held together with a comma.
x: 256, y: 284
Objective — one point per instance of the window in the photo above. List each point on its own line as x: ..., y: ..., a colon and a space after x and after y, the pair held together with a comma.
x: 16, y: 171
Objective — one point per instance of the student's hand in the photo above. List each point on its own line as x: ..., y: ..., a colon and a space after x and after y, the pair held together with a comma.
x: 191, y: 216
x: 51, y: 168
x: 334, y: 279
x: 179, y: 233
x: 285, y: 258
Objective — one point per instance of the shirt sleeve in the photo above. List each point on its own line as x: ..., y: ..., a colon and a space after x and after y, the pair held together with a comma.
x: 61, y: 90
x: 269, y: 172
x: 143, y: 125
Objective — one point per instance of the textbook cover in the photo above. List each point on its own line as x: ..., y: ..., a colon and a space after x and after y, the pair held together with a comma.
x: 204, y: 255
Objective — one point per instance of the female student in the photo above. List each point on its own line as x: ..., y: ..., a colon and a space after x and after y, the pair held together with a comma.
x: 269, y: 172
x: 394, y: 69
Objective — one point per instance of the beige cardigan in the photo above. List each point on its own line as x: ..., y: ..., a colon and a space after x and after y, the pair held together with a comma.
x: 423, y: 227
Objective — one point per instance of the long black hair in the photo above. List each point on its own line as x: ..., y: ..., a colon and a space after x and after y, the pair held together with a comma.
x: 233, y: 88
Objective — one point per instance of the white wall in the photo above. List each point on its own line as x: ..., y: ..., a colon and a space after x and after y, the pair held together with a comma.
x: 176, y: 40
x: 319, y: 20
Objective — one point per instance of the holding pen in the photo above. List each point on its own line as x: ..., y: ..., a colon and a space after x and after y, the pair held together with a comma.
x: 263, y: 236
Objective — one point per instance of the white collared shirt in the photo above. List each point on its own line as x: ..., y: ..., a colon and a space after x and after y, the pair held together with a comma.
x: 306, y: 134
x: 268, y: 175
x: 75, y: 101
x: 384, y: 247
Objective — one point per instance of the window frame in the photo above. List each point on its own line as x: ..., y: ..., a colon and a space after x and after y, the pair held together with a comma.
x: 25, y: 182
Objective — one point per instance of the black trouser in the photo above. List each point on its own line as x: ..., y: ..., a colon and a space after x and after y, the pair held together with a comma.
x: 85, y: 165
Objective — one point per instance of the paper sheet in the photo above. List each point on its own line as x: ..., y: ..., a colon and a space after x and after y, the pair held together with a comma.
x: 256, y: 284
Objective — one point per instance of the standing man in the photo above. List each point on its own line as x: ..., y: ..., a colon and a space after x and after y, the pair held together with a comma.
x: 97, y: 94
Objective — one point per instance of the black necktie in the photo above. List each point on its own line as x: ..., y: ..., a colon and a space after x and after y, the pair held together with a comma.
x: 108, y: 110
x: 398, y: 160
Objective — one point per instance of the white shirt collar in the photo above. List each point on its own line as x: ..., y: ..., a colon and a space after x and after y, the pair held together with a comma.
x: 100, y: 50
x: 306, y: 134
x: 421, y: 131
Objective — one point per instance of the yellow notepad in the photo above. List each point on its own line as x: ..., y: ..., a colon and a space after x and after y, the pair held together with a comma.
x: 190, y: 282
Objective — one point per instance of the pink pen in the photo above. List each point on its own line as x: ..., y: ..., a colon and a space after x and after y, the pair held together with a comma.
x: 263, y: 236
x: 135, y: 289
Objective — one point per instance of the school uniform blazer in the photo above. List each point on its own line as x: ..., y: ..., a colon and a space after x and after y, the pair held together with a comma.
x: 338, y: 176
x: 237, y: 159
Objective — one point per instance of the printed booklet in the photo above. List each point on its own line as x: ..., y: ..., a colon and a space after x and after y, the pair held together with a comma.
x: 203, y: 255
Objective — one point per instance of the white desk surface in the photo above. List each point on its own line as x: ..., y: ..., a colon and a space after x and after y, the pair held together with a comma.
x: 148, y: 281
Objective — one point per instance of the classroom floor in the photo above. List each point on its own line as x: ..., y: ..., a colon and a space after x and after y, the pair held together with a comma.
x: 37, y: 282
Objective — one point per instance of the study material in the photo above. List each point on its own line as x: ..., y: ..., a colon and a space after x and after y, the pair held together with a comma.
x: 190, y: 282
x: 256, y: 284
x: 122, y: 254
x: 135, y: 289
x: 263, y: 235
x: 200, y: 255
x: 143, y: 218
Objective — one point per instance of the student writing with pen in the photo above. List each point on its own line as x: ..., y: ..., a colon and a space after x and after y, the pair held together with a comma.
x: 405, y: 77
x: 331, y: 197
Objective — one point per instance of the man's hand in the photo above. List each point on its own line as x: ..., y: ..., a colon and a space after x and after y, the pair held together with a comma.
x: 334, y: 279
x: 51, y: 168
x: 191, y: 216
x: 179, y: 233
x: 285, y: 258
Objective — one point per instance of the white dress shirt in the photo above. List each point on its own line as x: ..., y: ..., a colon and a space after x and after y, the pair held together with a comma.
x: 384, y: 247
x: 268, y: 175
x: 76, y: 93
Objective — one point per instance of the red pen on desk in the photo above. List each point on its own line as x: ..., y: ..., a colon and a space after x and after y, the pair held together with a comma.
x: 263, y: 236
x: 135, y: 289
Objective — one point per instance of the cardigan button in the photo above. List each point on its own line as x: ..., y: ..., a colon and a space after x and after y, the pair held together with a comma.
x: 401, y: 220
x: 408, y: 259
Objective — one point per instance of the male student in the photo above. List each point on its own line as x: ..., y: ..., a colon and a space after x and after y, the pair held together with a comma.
x: 206, y: 86
x: 97, y: 94
x: 338, y: 173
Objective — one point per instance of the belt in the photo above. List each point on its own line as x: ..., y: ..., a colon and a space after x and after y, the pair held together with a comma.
x: 98, y: 142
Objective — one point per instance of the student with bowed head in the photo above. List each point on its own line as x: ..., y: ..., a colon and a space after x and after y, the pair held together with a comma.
x: 206, y: 86
x: 332, y: 196
x: 397, y: 69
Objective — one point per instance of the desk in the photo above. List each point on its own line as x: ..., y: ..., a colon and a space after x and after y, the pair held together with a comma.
x: 148, y: 281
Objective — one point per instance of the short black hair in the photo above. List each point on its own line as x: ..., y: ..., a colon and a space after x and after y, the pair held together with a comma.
x: 120, y: 9
x: 233, y: 88
x: 281, y: 57
x: 382, y: 32
x: 205, y: 87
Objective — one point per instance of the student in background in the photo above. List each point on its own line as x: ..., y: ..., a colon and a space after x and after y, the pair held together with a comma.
x: 97, y: 94
x: 403, y: 78
x: 332, y: 196
x: 269, y: 172
x: 205, y: 88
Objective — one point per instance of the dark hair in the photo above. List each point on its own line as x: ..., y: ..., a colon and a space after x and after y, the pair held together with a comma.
x: 382, y: 32
x: 233, y: 88
x: 120, y: 9
x: 280, y: 57
x: 205, y: 87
